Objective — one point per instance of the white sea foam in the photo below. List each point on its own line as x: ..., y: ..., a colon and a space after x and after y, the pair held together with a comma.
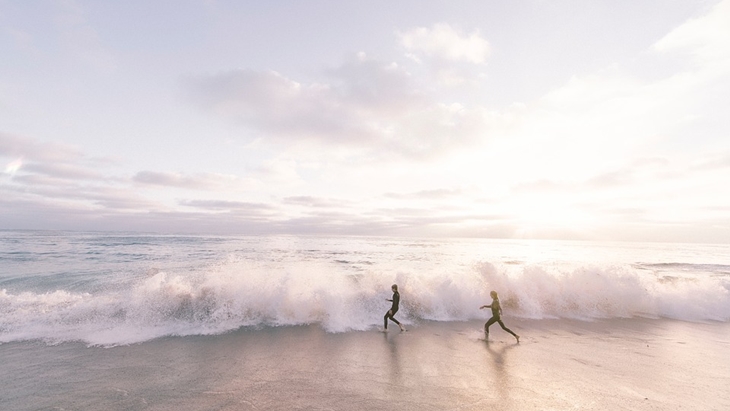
x: 238, y: 293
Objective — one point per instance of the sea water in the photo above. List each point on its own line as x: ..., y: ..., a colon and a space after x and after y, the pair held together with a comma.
x: 121, y: 288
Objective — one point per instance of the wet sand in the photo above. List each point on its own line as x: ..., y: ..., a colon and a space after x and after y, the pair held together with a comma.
x: 637, y: 364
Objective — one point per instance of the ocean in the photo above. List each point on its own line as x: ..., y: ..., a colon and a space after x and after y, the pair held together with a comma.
x: 110, y: 289
x: 129, y: 321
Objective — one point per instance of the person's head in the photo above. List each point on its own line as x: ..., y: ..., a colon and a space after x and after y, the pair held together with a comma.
x: 494, y: 295
x: 394, y: 287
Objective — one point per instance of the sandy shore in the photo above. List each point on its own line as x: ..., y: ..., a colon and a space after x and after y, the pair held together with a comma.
x: 636, y: 364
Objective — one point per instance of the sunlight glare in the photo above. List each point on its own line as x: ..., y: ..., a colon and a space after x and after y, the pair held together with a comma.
x: 14, y: 166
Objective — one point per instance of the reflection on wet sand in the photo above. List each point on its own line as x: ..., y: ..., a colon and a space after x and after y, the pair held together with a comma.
x: 394, y: 363
x: 499, y: 368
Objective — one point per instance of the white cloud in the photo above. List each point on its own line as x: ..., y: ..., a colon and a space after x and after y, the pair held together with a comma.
x: 366, y: 105
x: 321, y: 152
x: 279, y: 107
x: 34, y: 150
x: 203, y: 181
x: 316, y: 202
x: 599, y: 122
x: 434, y: 194
x: 64, y: 171
x: 446, y: 43
x: 14, y: 166
x: 33, y: 159
x: 707, y: 37
x: 714, y: 162
x: 257, y: 209
x: 376, y: 87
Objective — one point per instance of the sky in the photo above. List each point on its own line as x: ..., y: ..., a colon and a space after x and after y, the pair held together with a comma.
x: 566, y: 119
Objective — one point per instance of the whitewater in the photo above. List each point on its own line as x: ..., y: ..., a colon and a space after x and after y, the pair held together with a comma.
x: 111, y: 289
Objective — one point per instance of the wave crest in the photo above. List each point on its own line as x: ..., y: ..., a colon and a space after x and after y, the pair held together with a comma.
x: 236, y: 295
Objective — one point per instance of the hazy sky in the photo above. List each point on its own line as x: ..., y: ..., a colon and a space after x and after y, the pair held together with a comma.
x: 573, y: 119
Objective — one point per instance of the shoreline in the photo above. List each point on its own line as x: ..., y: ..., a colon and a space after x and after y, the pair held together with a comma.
x: 640, y: 364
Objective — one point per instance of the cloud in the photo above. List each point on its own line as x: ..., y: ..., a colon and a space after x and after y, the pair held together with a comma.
x: 316, y: 202
x: 445, y: 43
x: 118, y: 198
x: 541, y: 185
x: 596, y: 122
x: 377, y: 88
x: 280, y: 108
x: 68, y: 197
x: 50, y: 176
x: 574, y: 151
x: 628, y: 213
x: 39, y: 180
x: 366, y: 105
x: 204, y: 181
x: 12, y: 167
x: 64, y: 171
x: 611, y: 179
x: 435, y: 194
x: 222, y: 205
x: 706, y: 38
x: 33, y: 150
x: 714, y: 163
x: 634, y: 174
x: 38, y: 163
x: 35, y: 213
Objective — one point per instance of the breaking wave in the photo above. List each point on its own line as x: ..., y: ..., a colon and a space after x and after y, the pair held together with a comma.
x: 241, y: 294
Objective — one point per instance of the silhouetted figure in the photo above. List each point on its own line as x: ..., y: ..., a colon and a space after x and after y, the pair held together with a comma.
x: 393, y: 309
x: 496, y: 316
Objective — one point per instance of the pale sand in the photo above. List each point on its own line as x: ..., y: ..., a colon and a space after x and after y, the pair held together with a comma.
x: 559, y: 365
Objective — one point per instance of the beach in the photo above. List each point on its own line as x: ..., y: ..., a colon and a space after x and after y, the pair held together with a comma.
x: 637, y: 364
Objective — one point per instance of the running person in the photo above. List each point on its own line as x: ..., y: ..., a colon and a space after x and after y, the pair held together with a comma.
x: 393, y: 309
x: 496, y: 316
